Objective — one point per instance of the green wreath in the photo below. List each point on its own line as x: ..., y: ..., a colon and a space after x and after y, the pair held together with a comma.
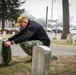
x: 6, y: 54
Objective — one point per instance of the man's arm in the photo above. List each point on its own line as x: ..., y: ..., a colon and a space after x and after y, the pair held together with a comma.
x: 10, y: 40
x: 15, y: 36
x: 26, y: 36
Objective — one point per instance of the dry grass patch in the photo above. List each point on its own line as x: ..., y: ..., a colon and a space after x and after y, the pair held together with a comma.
x: 5, y: 37
x: 65, y: 65
x: 17, y: 66
x: 62, y: 42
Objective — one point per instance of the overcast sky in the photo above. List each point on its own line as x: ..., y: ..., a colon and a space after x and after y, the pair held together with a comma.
x: 38, y: 9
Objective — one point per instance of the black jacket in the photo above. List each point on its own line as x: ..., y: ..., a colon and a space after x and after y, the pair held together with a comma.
x: 33, y: 31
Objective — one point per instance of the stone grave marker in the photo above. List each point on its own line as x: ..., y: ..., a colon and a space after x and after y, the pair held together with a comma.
x: 69, y: 38
x: 41, y: 60
x: 50, y: 35
x: 58, y: 36
x: 4, y: 33
x: 13, y: 33
x: 0, y: 48
x: 74, y: 39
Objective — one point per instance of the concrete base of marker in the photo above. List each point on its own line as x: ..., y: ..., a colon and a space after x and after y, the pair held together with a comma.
x: 41, y: 60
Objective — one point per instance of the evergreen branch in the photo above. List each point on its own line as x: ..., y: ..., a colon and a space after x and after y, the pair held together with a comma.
x: 6, y: 54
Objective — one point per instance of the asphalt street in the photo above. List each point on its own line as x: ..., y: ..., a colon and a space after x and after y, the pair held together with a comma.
x: 55, y: 50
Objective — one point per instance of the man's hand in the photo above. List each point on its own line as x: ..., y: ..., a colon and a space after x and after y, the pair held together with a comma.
x: 7, y: 43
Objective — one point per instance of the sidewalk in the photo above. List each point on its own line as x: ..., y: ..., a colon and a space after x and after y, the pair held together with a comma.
x: 56, y: 50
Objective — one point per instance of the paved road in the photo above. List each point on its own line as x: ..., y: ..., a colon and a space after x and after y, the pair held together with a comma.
x: 56, y: 50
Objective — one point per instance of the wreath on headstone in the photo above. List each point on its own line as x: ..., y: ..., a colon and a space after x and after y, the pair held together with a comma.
x: 6, y: 54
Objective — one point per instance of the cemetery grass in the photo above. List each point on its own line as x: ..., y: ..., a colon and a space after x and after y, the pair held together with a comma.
x: 54, y: 42
x: 65, y: 65
x: 62, y: 42
x: 5, y: 37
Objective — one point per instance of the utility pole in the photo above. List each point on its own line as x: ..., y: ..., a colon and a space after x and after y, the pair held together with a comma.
x: 51, y: 12
x: 53, y: 1
x: 46, y: 18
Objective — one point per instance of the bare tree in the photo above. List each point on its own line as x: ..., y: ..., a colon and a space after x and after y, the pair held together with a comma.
x: 65, y: 4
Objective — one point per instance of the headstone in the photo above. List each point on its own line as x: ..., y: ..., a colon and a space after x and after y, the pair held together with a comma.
x: 74, y: 39
x: 4, y: 33
x: 58, y: 36
x: 54, y: 35
x: 69, y: 38
x: 13, y: 33
x: 41, y: 60
x: 0, y: 45
x: 50, y: 35
x: 0, y: 49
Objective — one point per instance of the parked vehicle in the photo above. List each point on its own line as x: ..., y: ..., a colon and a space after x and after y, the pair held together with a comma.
x: 57, y: 29
x: 49, y: 29
x: 73, y: 31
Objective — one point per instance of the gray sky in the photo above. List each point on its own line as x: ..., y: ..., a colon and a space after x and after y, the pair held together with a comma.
x: 38, y: 9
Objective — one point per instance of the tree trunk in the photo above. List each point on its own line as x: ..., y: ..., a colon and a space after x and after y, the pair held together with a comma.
x: 3, y: 23
x: 3, y: 14
x: 65, y: 18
